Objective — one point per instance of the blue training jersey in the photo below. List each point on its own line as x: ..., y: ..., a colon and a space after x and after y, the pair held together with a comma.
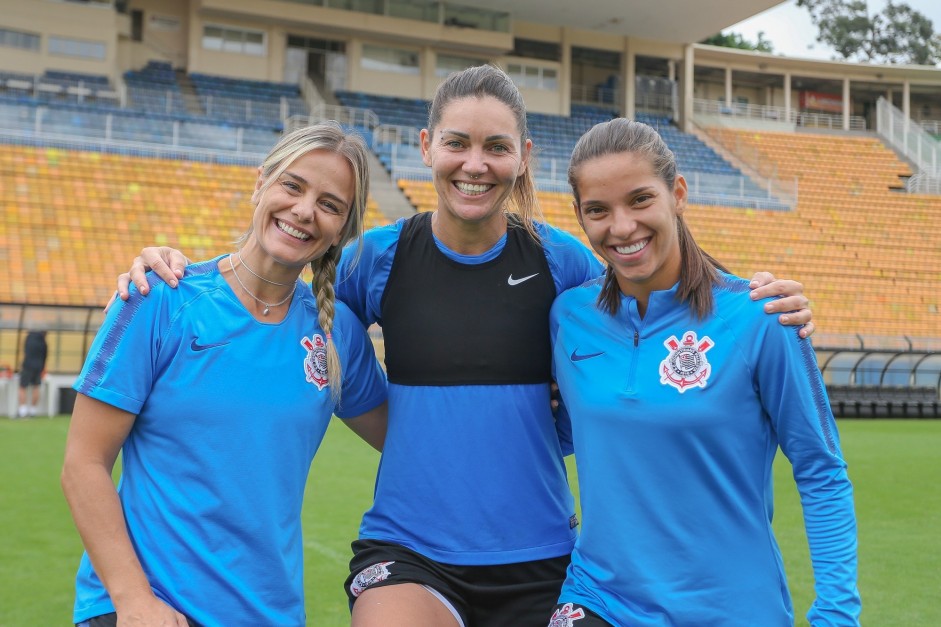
x: 470, y: 474
x: 676, y: 423
x: 229, y: 413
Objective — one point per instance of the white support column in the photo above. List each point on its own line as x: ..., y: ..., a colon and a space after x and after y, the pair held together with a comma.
x: 907, y: 98
x: 728, y: 87
x: 628, y: 80
x: 687, y: 77
x: 907, y: 103
x: 429, y: 66
x: 565, y: 74
x: 787, y: 97
x: 847, y: 108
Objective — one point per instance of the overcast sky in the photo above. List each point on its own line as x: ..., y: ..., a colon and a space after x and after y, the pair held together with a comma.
x: 790, y: 31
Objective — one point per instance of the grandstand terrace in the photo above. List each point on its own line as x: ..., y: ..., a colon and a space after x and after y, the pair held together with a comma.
x: 153, y: 137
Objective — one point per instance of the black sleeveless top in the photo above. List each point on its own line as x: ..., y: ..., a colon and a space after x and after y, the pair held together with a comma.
x: 447, y: 323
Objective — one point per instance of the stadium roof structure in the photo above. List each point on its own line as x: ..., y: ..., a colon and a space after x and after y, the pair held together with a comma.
x: 674, y: 21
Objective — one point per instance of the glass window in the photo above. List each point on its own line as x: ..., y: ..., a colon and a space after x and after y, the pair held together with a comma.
x: 422, y: 10
x: 471, y: 17
x: 449, y: 63
x: 533, y: 49
x: 533, y: 76
x: 76, y: 47
x: 234, y: 40
x: 382, y: 59
x: 19, y: 39
x: 255, y: 44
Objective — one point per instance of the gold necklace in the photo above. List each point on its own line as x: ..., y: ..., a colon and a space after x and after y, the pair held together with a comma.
x: 268, y: 306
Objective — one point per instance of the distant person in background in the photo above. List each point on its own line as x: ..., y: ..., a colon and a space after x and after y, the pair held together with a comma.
x: 680, y: 391
x: 34, y: 362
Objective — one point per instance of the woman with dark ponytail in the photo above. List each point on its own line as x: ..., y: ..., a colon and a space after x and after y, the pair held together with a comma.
x: 680, y: 391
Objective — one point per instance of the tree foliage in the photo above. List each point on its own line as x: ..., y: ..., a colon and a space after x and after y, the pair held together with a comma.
x: 899, y: 34
x: 735, y: 40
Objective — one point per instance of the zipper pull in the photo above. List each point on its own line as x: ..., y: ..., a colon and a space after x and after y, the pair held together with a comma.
x: 636, y: 339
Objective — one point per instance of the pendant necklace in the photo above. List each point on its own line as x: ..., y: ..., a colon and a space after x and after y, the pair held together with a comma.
x: 268, y: 306
x: 258, y: 276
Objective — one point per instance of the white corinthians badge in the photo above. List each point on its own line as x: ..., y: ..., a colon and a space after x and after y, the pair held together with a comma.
x: 315, y: 364
x: 686, y: 365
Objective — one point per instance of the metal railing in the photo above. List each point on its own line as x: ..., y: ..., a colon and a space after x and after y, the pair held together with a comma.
x: 348, y: 116
x: 651, y: 95
x: 139, y: 149
x: 931, y: 126
x: 395, y: 135
x: 908, y: 138
x: 770, y: 113
x: 923, y: 183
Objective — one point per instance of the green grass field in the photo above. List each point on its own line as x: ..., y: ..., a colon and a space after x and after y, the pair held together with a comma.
x: 895, y: 467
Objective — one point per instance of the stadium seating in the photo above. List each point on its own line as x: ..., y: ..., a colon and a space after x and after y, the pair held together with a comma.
x: 864, y: 250
x: 73, y: 220
x: 712, y: 178
x: 872, y: 401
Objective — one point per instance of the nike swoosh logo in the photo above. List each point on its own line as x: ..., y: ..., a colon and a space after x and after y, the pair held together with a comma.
x: 202, y: 347
x: 576, y: 357
x: 511, y: 281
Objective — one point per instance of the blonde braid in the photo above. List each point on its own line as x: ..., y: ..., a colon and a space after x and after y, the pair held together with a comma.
x: 325, y: 273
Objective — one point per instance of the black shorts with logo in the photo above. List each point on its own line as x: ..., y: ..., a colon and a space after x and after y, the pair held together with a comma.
x: 505, y: 595
x: 574, y: 615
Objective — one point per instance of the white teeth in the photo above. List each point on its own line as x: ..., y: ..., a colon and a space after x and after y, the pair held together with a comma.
x: 472, y: 188
x: 633, y: 248
x: 292, y: 231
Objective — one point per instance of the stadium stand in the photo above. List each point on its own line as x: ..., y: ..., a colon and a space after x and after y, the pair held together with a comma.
x: 867, y: 250
x: 713, y: 180
x: 95, y: 164
x: 72, y: 219
x: 864, y: 401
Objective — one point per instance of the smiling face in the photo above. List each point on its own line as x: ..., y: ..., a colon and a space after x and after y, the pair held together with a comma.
x: 476, y: 154
x: 300, y: 214
x: 630, y: 217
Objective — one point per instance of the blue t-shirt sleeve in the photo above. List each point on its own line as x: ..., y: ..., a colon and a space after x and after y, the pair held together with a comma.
x: 122, y: 363
x: 794, y: 396
x: 361, y: 279
x: 571, y: 262
x: 364, y: 381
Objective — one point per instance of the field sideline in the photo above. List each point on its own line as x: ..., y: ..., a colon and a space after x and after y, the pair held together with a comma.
x: 895, y: 467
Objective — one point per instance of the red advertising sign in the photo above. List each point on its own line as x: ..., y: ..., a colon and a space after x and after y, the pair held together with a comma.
x: 816, y: 101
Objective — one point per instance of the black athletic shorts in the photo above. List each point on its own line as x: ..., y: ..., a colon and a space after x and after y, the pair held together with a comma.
x: 30, y: 376
x: 506, y: 595
x: 574, y: 615
x: 111, y: 620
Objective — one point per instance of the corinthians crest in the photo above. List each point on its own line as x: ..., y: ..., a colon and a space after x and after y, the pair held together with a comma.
x: 370, y: 575
x: 686, y: 365
x: 315, y: 364
x: 566, y: 615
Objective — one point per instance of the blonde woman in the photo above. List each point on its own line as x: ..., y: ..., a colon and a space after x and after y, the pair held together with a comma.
x: 218, y: 394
